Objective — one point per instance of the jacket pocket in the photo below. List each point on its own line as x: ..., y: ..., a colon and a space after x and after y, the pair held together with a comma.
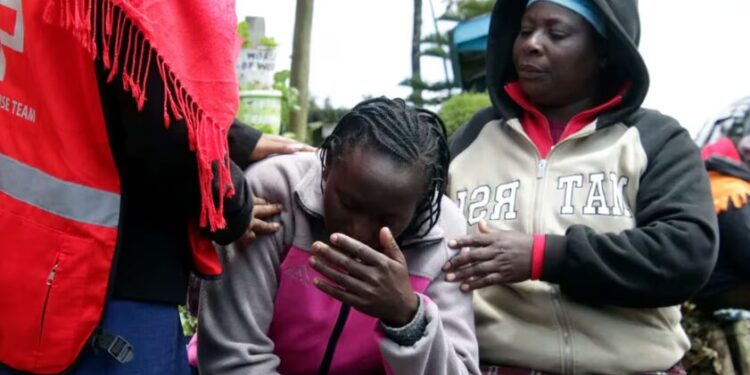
x: 52, y: 293
x: 50, y: 282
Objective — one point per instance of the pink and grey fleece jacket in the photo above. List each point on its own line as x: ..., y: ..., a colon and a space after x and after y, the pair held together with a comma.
x: 266, y: 317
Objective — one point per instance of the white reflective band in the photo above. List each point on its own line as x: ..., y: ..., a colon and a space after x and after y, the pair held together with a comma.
x: 66, y: 199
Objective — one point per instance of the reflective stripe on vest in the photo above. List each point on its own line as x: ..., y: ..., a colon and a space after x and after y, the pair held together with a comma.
x: 66, y: 199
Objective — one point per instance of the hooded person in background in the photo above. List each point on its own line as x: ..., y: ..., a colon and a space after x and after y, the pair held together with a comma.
x: 593, y: 216
x: 725, y: 299
x: 727, y: 164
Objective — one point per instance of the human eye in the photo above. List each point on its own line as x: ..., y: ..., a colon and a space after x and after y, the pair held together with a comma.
x: 559, y: 30
x: 557, y: 34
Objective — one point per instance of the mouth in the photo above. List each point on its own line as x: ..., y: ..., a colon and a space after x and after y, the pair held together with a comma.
x: 529, y: 71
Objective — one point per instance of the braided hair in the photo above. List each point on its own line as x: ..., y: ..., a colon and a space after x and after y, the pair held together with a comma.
x: 409, y: 135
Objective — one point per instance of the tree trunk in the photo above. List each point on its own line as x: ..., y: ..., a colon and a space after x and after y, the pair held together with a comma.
x: 300, y: 73
x: 416, y: 38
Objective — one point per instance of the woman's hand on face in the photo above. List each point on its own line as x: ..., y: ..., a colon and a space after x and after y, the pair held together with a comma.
x: 374, y: 283
x: 489, y: 258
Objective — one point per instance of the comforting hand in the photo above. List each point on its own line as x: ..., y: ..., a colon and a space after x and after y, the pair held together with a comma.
x: 269, y: 144
x: 374, y: 283
x: 258, y: 226
x: 489, y: 258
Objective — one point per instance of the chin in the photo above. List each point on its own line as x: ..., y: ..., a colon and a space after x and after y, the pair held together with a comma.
x: 533, y: 89
x: 537, y: 95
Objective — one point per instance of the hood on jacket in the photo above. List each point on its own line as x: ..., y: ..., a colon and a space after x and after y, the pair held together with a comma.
x: 623, y: 36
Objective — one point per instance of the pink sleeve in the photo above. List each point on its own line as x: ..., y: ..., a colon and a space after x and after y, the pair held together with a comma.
x: 192, y: 351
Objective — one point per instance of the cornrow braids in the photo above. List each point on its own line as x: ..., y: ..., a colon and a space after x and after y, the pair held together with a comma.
x: 410, y: 135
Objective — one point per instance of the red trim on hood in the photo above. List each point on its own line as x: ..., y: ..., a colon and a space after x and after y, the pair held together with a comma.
x: 721, y: 147
x: 537, y: 127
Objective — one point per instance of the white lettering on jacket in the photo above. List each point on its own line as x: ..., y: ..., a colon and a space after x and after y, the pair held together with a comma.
x: 604, y: 193
x: 596, y: 204
x: 13, y: 41
x: 620, y: 207
x: 569, y: 183
x: 480, y: 198
x: 505, y: 197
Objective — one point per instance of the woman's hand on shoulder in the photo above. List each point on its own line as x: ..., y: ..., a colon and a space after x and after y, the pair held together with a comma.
x: 490, y: 257
x: 260, y: 225
x: 270, y: 144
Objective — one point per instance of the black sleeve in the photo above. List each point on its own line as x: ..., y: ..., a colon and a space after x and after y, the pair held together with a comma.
x: 237, y: 209
x: 158, y: 156
x: 669, y: 254
x: 734, y: 225
x: 242, y: 142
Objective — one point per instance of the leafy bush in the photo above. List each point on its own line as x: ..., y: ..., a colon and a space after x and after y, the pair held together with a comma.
x: 459, y: 109
x: 289, y: 97
x: 189, y: 322
x: 243, y: 31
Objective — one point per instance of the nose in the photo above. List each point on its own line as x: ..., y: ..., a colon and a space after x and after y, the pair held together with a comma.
x: 531, y: 43
x: 364, y: 230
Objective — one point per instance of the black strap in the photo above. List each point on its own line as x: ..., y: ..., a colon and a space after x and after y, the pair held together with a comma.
x: 116, y: 346
x: 325, y: 365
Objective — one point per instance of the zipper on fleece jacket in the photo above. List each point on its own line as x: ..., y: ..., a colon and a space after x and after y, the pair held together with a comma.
x: 537, y: 226
x: 325, y: 364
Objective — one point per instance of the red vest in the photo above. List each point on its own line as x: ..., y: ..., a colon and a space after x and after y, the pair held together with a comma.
x: 59, y: 194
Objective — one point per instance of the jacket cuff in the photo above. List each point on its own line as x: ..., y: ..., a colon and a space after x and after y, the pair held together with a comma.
x: 242, y: 141
x: 537, y: 256
x: 555, y: 247
x: 238, y: 210
x: 409, y: 334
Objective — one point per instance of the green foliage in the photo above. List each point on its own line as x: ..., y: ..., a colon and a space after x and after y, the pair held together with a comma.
x: 436, y: 45
x: 451, y: 15
x: 459, y: 109
x: 416, y: 99
x: 436, y: 38
x: 243, y: 30
x: 189, y: 322
x: 463, y: 10
x: 327, y: 114
x: 289, y: 97
x: 436, y: 52
x: 269, y: 42
x: 321, y: 117
x: 468, y: 9
x: 414, y: 83
x: 702, y: 359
